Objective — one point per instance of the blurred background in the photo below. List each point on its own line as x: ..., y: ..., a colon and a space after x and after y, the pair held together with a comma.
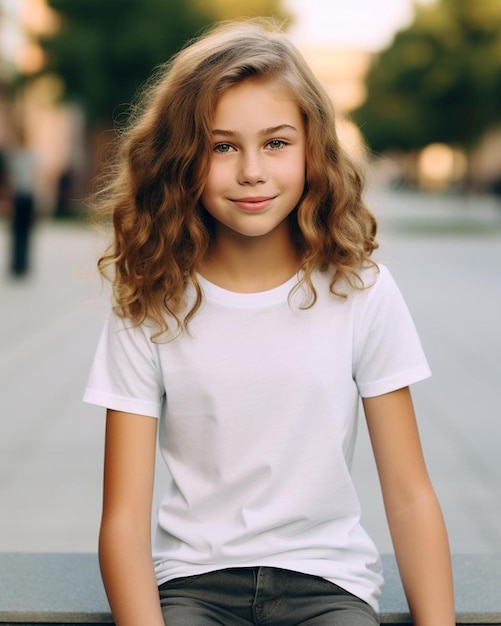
x: 418, y: 82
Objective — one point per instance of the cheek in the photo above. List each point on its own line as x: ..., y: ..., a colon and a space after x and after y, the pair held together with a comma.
x: 296, y: 175
x: 215, y: 179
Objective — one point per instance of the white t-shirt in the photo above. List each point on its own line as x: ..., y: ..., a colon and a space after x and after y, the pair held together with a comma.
x: 258, y: 409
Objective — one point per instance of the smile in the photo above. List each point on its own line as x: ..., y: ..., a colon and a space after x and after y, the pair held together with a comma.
x: 253, y: 204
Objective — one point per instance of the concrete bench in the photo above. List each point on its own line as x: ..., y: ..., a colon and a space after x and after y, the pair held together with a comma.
x: 66, y: 589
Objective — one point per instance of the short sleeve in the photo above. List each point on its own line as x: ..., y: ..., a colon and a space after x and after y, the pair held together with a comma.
x: 387, y: 350
x: 125, y: 375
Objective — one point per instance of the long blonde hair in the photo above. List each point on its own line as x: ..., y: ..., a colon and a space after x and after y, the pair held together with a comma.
x: 161, y: 232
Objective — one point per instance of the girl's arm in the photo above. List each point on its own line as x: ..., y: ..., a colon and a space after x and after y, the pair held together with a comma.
x: 414, y: 516
x: 125, y: 537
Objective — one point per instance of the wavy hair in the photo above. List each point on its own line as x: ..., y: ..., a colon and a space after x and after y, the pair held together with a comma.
x: 161, y: 232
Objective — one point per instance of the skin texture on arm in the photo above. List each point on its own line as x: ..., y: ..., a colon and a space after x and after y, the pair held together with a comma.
x: 414, y: 516
x: 125, y: 537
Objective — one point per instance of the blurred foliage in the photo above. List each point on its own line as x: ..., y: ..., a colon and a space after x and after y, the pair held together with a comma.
x: 439, y: 81
x: 105, y: 49
x: 234, y: 9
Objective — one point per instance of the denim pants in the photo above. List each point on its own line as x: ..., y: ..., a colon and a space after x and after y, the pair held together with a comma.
x: 261, y: 595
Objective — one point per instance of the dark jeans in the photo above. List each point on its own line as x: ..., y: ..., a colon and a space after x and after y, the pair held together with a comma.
x: 21, y: 233
x: 261, y: 595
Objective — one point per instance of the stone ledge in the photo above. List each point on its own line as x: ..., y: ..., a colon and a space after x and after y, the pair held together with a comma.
x: 66, y: 589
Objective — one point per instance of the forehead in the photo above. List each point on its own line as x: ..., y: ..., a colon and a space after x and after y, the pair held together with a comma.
x: 257, y: 102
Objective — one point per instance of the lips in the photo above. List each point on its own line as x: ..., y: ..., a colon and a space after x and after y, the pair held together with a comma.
x: 253, y: 204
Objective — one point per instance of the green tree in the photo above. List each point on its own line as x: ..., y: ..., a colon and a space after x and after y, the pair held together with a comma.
x: 105, y: 49
x: 440, y: 79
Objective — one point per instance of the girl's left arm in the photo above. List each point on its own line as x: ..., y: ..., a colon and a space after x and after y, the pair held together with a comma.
x: 416, y: 524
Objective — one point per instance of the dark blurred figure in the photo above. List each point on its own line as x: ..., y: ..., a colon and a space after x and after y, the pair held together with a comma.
x: 64, y: 193
x: 22, y: 166
x: 4, y: 180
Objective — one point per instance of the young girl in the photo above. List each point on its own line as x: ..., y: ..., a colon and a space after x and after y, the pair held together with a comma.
x: 249, y: 319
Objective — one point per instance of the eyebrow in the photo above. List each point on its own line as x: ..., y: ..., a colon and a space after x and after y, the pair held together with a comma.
x: 266, y: 131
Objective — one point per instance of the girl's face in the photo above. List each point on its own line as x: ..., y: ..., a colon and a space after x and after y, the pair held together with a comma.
x: 257, y: 167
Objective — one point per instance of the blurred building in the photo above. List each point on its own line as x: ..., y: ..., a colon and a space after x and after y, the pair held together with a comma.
x: 342, y: 73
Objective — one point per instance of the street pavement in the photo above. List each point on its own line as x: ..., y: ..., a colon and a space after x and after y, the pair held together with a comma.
x: 445, y: 253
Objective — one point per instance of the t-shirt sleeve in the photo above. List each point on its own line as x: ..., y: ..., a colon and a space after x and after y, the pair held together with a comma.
x: 125, y: 375
x: 387, y: 353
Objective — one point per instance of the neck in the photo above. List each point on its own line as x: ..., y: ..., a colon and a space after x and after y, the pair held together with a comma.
x: 251, y: 264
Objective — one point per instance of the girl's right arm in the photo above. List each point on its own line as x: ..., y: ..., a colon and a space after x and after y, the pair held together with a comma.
x: 125, y: 536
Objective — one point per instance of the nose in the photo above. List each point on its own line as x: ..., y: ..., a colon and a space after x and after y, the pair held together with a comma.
x: 252, y: 170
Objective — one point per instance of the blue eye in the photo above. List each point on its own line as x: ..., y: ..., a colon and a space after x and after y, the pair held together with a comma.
x: 223, y: 148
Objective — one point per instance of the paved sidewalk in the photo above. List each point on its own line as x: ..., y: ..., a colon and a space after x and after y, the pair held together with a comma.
x: 446, y: 257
